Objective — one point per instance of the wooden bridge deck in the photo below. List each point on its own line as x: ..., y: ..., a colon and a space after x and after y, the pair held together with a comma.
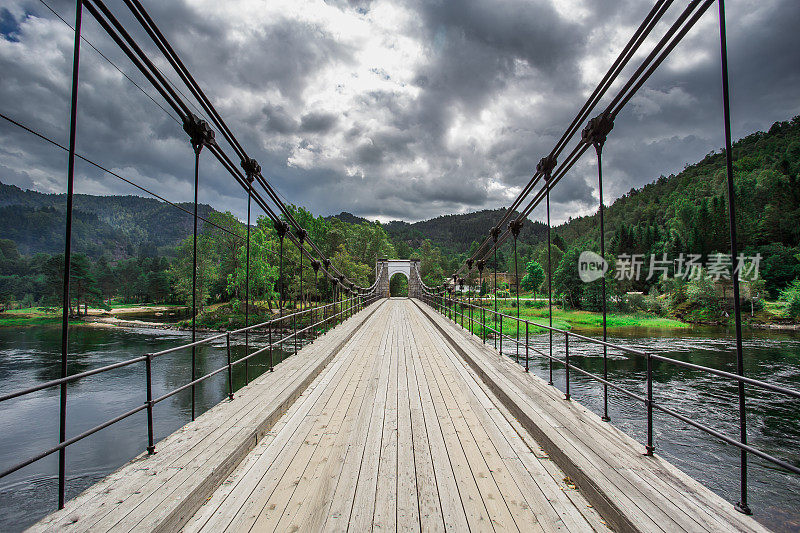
x: 398, y: 420
x: 396, y: 434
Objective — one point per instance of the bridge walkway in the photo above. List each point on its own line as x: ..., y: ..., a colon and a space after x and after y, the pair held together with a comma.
x: 397, y: 433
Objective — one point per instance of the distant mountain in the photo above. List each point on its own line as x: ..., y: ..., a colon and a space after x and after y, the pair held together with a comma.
x: 349, y: 218
x: 117, y: 226
x: 456, y: 233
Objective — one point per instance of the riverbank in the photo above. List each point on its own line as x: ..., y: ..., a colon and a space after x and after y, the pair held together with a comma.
x: 222, y: 316
x: 119, y: 315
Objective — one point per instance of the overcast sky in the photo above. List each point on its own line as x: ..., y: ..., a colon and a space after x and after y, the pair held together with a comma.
x: 400, y: 109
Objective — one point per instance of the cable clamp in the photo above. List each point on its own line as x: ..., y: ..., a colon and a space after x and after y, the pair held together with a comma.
x: 281, y: 227
x: 597, y: 130
x: 546, y: 166
x: 200, y: 134
x: 251, y: 169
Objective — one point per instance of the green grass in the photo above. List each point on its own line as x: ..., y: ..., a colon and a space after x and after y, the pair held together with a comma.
x: 48, y: 320
x: 573, y: 320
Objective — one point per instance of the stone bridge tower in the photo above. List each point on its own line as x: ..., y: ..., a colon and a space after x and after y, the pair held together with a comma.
x: 386, y: 268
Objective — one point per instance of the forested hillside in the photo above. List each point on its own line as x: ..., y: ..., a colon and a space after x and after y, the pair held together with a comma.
x: 687, y: 213
x: 115, y: 226
x: 456, y: 233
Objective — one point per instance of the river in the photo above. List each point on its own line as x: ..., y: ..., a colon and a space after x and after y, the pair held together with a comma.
x: 30, y: 355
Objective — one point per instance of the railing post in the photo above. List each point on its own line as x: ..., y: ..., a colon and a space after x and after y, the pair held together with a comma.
x: 73, y: 120
x: 595, y: 134
x: 251, y: 168
x: 294, y: 329
x: 483, y: 323
x: 566, y: 359
x: 649, y: 446
x: 500, y: 340
x: 515, y: 226
x: 741, y: 505
x: 526, y: 346
x: 151, y: 448
x: 200, y: 135
x: 230, y: 367
x: 545, y: 166
x: 271, y: 355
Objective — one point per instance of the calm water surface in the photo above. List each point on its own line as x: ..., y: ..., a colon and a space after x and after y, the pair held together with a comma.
x: 31, y: 355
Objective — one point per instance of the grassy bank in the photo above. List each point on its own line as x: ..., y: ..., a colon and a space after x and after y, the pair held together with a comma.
x: 572, y: 320
x: 39, y: 316
x: 33, y: 316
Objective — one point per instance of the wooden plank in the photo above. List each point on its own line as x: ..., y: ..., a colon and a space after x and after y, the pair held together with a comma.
x: 430, y: 508
x: 385, y: 514
x: 474, y: 507
x: 246, y: 498
x: 543, y: 492
x: 478, y: 458
x: 408, y: 518
x: 342, y: 502
x: 363, y: 509
x: 319, y: 500
x: 329, y: 452
x: 449, y: 491
x: 276, y: 494
x: 542, y: 486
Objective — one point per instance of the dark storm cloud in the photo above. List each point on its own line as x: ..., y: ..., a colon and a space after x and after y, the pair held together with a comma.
x: 278, y: 120
x: 486, y: 93
x: 317, y: 122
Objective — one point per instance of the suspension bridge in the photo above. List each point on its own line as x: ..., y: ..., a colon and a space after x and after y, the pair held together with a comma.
x: 414, y: 413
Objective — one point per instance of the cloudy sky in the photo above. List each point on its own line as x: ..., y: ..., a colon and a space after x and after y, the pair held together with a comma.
x: 398, y: 109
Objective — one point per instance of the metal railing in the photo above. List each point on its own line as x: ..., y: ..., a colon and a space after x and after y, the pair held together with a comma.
x: 313, y: 322
x: 472, y: 313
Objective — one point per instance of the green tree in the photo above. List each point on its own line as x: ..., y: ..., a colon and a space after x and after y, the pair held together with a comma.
x: 791, y: 295
x: 566, y: 280
x: 533, y: 278
x: 83, y: 287
x: 403, y: 250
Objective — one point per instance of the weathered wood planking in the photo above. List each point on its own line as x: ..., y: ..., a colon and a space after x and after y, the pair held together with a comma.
x: 632, y: 491
x: 396, y: 434
x: 160, y: 492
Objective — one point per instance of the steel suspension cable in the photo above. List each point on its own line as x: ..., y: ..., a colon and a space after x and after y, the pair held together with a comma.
x: 613, y: 72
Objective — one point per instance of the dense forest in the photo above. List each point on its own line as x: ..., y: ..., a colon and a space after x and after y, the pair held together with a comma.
x: 133, y: 250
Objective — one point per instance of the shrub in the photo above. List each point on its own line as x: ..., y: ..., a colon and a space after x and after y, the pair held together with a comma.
x: 791, y: 295
x: 656, y: 303
x: 634, y: 302
x: 701, y: 293
x: 535, y: 304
